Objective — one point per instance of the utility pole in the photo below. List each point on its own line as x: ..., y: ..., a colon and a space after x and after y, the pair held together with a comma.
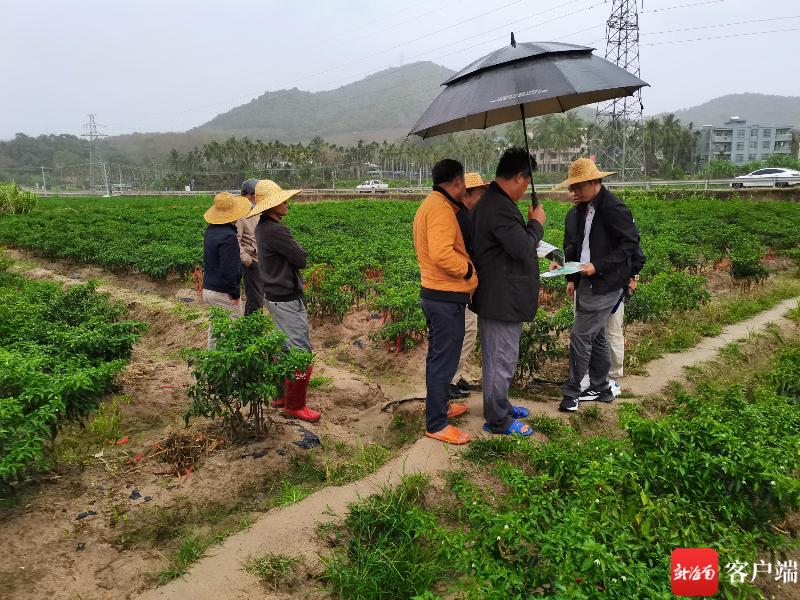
x: 619, y: 143
x: 90, y: 132
x: 44, y: 183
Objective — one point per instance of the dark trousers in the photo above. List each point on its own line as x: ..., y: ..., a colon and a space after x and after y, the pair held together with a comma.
x: 588, y: 347
x: 445, y: 322
x: 253, y: 289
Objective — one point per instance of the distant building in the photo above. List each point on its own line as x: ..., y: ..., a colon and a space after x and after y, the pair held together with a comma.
x: 741, y: 143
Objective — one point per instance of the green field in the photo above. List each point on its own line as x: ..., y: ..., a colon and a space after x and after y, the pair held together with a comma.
x: 361, y: 250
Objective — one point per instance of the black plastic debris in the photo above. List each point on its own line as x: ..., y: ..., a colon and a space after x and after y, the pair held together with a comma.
x: 83, y: 515
x: 259, y: 453
x: 309, y: 439
x: 148, y: 498
x: 135, y: 495
x: 80, y: 546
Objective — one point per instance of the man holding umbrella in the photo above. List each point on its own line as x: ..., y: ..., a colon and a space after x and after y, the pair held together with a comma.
x: 599, y: 232
x: 504, y: 248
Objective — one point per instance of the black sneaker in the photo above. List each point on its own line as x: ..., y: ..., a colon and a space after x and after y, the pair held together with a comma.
x: 591, y: 395
x: 454, y: 392
x: 569, y: 405
x: 466, y: 385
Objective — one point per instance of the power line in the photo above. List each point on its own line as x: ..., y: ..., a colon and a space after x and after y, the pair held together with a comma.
x: 720, y: 37
x: 460, y: 41
x: 654, y: 10
x: 721, y: 25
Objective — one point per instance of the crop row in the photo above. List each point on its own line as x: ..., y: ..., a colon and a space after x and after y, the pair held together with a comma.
x: 361, y: 251
x: 59, y: 353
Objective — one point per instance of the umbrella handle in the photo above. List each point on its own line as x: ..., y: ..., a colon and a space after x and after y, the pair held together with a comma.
x: 534, y: 195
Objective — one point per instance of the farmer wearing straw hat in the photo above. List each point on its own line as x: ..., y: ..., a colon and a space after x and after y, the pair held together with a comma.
x: 246, y: 233
x: 476, y: 186
x: 280, y: 258
x: 599, y: 232
x: 222, y: 266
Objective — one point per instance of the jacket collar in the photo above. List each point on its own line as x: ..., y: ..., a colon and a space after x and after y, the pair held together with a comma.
x: 496, y: 187
x: 443, y: 192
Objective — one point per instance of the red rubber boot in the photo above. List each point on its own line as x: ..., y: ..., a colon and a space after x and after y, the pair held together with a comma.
x: 296, y: 398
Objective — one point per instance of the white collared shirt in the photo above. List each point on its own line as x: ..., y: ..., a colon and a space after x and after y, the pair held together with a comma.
x: 585, y: 252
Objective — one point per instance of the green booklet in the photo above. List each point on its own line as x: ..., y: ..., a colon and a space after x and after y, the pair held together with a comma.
x: 569, y: 268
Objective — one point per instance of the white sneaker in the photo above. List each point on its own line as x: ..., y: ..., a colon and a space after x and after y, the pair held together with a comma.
x: 615, y: 388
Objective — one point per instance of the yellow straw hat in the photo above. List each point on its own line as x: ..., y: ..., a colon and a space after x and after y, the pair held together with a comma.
x: 227, y: 209
x: 582, y: 170
x: 474, y: 180
x: 269, y: 195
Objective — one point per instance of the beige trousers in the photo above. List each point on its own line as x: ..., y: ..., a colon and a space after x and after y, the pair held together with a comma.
x: 224, y: 301
x: 616, y: 344
x: 470, y: 334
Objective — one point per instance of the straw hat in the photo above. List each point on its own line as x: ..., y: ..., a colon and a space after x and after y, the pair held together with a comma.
x: 473, y: 180
x: 227, y: 209
x: 582, y: 170
x: 269, y: 195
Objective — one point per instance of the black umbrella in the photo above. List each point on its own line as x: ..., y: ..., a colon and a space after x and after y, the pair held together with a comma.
x: 520, y: 81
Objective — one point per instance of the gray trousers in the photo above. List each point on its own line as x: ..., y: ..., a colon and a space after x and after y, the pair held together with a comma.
x: 292, y: 319
x: 588, y: 347
x: 500, y: 351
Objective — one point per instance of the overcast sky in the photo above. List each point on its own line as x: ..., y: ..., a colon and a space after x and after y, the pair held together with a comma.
x: 168, y: 65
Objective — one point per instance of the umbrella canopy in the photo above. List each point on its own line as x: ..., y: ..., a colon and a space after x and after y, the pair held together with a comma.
x: 524, y: 80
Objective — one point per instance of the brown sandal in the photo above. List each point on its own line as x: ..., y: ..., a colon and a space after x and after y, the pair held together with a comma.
x: 450, y: 435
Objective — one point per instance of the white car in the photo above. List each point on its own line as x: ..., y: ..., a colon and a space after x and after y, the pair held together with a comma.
x: 372, y: 185
x: 769, y: 176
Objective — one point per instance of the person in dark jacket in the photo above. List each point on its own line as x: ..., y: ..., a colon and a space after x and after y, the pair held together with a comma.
x: 222, y: 266
x: 280, y: 258
x: 615, y: 334
x: 504, y: 249
x: 599, y: 232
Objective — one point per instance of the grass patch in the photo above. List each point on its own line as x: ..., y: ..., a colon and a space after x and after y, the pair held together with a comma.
x: 381, y: 554
x: 274, y: 570
x: 407, y: 426
x: 320, y: 381
x: 684, y: 330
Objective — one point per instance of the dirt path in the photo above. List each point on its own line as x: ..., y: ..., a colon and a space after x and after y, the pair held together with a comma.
x: 671, y: 367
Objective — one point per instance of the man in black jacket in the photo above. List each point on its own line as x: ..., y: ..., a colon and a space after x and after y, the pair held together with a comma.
x: 504, y: 248
x: 599, y: 232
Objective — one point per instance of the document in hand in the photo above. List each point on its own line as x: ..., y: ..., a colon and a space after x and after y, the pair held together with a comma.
x: 569, y: 268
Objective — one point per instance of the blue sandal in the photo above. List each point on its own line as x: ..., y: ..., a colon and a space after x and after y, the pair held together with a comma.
x: 519, y: 412
x: 516, y: 427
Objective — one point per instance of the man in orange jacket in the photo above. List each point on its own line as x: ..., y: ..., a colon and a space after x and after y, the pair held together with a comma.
x: 448, y: 280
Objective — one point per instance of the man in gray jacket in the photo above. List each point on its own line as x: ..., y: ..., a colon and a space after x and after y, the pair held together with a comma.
x: 246, y: 234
